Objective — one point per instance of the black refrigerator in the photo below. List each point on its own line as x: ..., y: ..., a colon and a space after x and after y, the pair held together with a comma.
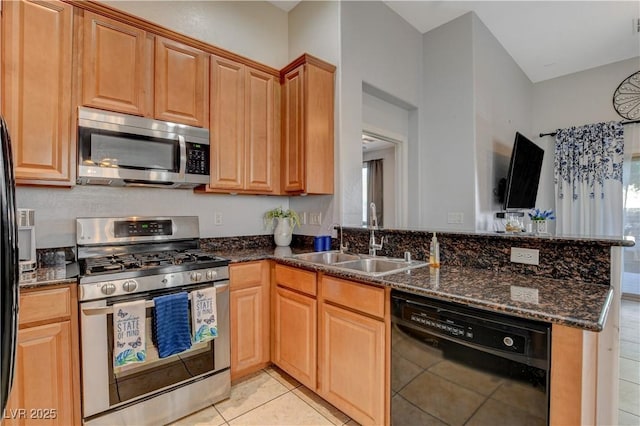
x: 9, y: 270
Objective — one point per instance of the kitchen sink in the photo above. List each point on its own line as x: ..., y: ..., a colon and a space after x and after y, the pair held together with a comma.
x: 376, y: 267
x: 361, y: 264
x: 327, y: 257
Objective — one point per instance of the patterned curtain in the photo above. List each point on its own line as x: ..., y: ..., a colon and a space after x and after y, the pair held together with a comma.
x: 588, y: 179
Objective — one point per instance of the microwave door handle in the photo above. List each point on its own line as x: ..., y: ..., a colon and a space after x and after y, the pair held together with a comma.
x: 183, y: 156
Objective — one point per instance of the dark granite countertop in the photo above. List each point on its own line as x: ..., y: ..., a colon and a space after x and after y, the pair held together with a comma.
x: 574, y: 304
x: 51, y: 276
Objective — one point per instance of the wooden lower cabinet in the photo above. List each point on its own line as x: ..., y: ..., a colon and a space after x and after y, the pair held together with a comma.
x: 352, y: 363
x: 295, y: 335
x: 353, y: 349
x: 46, y: 385
x: 250, y: 317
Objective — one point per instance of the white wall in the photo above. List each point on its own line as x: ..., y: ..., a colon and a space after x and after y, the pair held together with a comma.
x: 254, y: 29
x: 573, y: 100
x: 257, y: 30
x: 502, y: 101
x: 447, y: 133
x: 57, y: 209
x: 382, y: 50
x: 314, y: 28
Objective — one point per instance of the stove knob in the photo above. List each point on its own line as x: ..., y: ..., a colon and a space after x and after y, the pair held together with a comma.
x: 108, y: 288
x: 196, y: 276
x: 129, y: 286
x: 211, y: 275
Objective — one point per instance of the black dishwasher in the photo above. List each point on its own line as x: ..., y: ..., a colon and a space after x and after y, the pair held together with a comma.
x: 457, y: 365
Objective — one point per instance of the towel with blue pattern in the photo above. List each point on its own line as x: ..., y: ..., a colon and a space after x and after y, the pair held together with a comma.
x: 204, y: 314
x: 129, y: 338
x: 171, y: 324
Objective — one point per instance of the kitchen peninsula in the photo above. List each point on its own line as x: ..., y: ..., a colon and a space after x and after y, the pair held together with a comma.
x: 576, y: 285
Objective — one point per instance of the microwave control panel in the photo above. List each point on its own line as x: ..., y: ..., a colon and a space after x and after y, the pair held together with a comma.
x: 197, y: 159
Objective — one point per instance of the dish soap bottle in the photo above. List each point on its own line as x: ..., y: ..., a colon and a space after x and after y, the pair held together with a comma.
x: 434, y: 252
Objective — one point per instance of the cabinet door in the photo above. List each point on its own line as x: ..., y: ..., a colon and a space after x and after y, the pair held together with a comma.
x: 227, y: 124
x: 181, y: 83
x: 319, y: 129
x: 117, y: 68
x: 248, y: 348
x: 352, y: 363
x: 295, y: 335
x: 260, y: 144
x: 43, y: 383
x: 36, y: 89
x: 250, y: 319
x: 293, y: 131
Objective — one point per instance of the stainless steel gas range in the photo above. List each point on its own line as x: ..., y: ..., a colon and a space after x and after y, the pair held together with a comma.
x: 140, y: 258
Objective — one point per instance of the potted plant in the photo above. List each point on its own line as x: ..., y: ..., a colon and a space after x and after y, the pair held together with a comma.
x: 539, y: 220
x: 286, y: 221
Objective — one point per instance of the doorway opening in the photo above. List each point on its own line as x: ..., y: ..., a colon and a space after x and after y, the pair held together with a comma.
x: 631, y: 275
x: 380, y: 178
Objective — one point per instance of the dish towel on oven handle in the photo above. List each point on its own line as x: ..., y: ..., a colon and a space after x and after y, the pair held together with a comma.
x: 129, y: 338
x: 203, y: 314
x: 171, y: 324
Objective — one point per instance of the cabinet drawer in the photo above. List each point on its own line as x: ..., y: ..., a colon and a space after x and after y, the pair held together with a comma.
x: 360, y: 297
x: 296, y: 279
x: 42, y: 305
x: 243, y: 275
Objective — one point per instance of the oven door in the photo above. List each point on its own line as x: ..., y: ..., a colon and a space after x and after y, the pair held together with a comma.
x: 107, y: 387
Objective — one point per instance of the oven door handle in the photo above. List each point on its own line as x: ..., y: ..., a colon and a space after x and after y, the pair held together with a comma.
x: 106, y: 310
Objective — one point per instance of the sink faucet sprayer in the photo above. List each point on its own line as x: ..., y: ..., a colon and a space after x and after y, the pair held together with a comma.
x: 373, y: 225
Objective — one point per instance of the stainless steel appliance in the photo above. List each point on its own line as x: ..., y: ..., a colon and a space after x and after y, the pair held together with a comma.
x: 133, y: 258
x: 454, y: 364
x: 9, y: 267
x: 124, y: 150
x: 27, y: 240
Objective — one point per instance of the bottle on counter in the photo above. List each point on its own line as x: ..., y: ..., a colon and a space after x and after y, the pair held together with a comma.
x: 434, y: 252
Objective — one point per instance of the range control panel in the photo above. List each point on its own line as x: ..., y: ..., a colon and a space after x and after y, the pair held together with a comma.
x: 142, y: 228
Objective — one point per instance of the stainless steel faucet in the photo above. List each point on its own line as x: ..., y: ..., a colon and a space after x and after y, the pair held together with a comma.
x: 343, y: 247
x: 373, y: 225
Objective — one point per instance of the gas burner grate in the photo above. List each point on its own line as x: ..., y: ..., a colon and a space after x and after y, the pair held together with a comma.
x: 201, y: 256
x: 111, y: 264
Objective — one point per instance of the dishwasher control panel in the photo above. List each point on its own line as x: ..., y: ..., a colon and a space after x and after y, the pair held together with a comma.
x: 471, y: 326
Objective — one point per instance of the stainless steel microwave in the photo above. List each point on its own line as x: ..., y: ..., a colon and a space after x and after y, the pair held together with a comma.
x: 125, y: 150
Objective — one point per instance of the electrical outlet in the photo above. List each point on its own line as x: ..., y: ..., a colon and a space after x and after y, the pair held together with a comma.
x: 456, y: 218
x: 315, y: 218
x: 528, y: 256
x: 524, y: 294
x: 217, y: 218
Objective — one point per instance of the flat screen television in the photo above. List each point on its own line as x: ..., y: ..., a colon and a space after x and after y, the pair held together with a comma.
x: 521, y: 187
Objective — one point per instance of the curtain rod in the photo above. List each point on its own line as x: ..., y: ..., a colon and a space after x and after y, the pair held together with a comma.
x: 555, y: 133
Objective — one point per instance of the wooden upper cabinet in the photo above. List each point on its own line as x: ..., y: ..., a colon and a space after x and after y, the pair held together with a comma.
x: 181, y: 83
x: 307, y: 123
x: 36, y: 89
x: 261, y: 147
x: 293, y: 131
x: 244, y: 152
x: 116, y: 66
x: 227, y: 124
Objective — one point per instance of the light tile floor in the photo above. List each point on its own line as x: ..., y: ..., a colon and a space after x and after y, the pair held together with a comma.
x: 269, y: 397
x: 629, y: 393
